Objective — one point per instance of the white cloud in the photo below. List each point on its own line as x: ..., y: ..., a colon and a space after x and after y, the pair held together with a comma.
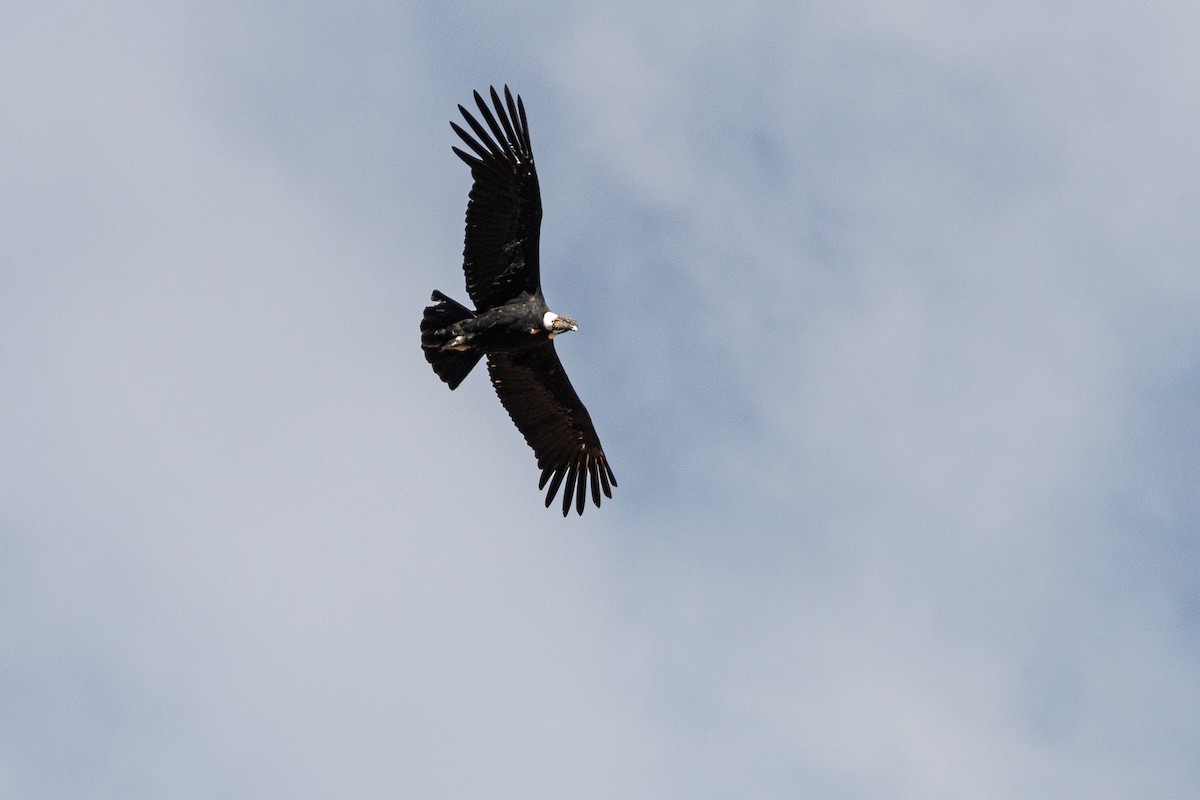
x: 896, y: 540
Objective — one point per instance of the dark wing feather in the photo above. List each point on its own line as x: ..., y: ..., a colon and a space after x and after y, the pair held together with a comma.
x: 538, y: 396
x: 504, y: 215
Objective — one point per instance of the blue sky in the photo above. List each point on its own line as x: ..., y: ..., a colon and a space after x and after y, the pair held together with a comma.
x: 889, y: 324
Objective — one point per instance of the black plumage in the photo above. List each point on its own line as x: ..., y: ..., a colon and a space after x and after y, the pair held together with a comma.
x: 511, y: 324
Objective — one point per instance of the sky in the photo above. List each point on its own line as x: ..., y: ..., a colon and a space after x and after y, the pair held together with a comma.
x: 889, y: 321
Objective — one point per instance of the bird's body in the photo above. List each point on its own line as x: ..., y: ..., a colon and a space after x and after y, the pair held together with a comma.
x: 511, y: 324
x: 525, y: 322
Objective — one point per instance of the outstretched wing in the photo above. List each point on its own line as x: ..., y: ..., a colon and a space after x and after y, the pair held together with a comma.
x: 535, y: 391
x: 504, y: 215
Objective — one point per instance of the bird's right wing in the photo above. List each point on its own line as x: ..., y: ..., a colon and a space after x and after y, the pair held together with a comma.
x: 504, y: 215
x: 542, y: 403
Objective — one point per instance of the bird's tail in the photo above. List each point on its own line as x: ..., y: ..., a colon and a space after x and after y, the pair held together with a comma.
x: 450, y: 365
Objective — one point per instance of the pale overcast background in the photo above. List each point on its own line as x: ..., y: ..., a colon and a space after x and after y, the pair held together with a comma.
x: 890, y: 325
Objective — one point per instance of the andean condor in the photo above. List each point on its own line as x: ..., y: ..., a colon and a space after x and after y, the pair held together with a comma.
x: 511, y: 323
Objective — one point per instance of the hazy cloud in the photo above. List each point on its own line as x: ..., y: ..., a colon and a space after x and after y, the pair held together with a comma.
x: 888, y: 315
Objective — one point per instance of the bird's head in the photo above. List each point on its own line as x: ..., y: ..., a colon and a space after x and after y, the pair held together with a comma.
x: 558, y: 323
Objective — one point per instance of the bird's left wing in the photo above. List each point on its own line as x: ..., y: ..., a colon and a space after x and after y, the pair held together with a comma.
x: 542, y: 403
x: 504, y: 215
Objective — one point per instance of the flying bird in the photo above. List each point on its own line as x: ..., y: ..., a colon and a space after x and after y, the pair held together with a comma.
x: 511, y: 323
